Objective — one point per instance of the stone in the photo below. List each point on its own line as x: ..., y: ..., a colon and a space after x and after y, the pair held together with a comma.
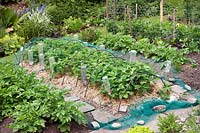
x: 71, y: 98
x: 183, y: 119
x: 173, y: 97
x: 95, y: 124
x: 172, y: 79
x: 140, y: 122
x: 102, y: 116
x: 123, y: 108
x: 192, y: 100
x: 178, y: 90
x: 116, y: 125
x: 86, y: 107
x: 189, y: 98
x: 188, y: 87
x: 159, y: 108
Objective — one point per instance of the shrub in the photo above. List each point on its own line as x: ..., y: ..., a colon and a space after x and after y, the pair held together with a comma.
x: 73, y: 25
x: 168, y: 124
x: 89, y: 35
x: 34, y: 24
x: 140, y: 129
x: 7, y: 17
x: 2, y: 32
x: 11, y: 43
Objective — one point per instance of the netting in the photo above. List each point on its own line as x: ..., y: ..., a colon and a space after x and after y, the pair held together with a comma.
x: 142, y: 110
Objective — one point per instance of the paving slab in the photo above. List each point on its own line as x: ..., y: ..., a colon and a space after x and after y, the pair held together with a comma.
x: 86, y: 107
x: 71, y: 98
x: 178, y: 90
x: 102, y: 116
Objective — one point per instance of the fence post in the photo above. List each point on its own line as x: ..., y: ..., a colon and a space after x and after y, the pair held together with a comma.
x: 136, y: 11
x: 174, y: 22
x: 125, y: 12
x: 161, y: 11
x: 107, y: 4
x: 129, y: 19
x: 115, y: 9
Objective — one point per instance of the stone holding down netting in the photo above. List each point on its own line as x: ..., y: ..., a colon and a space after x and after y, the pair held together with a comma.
x: 141, y: 111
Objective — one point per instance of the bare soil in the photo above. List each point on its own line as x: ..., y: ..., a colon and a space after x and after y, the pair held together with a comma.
x: 191, y: 75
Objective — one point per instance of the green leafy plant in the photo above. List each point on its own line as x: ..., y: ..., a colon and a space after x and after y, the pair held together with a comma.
x: 89, y: 35
x: 34, y: 24
x: 125, y: 78
x: 7, y: 17
x: 2, y: 32
x: 168, y: 124
x: 165, y: 92
x: 115, y: 42
x: 158, y: 51
x: 191, y: 125
x: 139, y: 129
x: 11, y: 43
x: 31, y: 103
x: 73, y: 25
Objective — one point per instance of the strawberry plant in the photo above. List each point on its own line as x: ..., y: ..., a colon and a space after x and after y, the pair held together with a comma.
x: 125, y: 78
x: 158, y: 50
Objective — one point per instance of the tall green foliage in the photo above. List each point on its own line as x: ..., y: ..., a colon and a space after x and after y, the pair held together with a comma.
x: 34, y: 24
x: 7, y: 17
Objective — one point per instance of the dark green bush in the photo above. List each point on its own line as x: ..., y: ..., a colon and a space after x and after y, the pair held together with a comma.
x: 7, y: 17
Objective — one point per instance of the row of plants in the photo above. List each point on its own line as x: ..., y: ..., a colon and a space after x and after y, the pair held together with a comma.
x: 185, y: 36
x: 32, y: 104
x: 158, y: 50
x: 125, y: 78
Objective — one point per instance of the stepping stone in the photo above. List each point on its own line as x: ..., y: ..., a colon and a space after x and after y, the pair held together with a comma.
x: 189, y: 98
x: 178, y: 90
x: 71, y: 98
x: 86, y: 107
x: 102, y: 116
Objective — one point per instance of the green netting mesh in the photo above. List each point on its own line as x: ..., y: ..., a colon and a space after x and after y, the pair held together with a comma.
x: 142, y: 110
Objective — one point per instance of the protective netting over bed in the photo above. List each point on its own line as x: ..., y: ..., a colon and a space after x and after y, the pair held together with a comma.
x: 143, y: 110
